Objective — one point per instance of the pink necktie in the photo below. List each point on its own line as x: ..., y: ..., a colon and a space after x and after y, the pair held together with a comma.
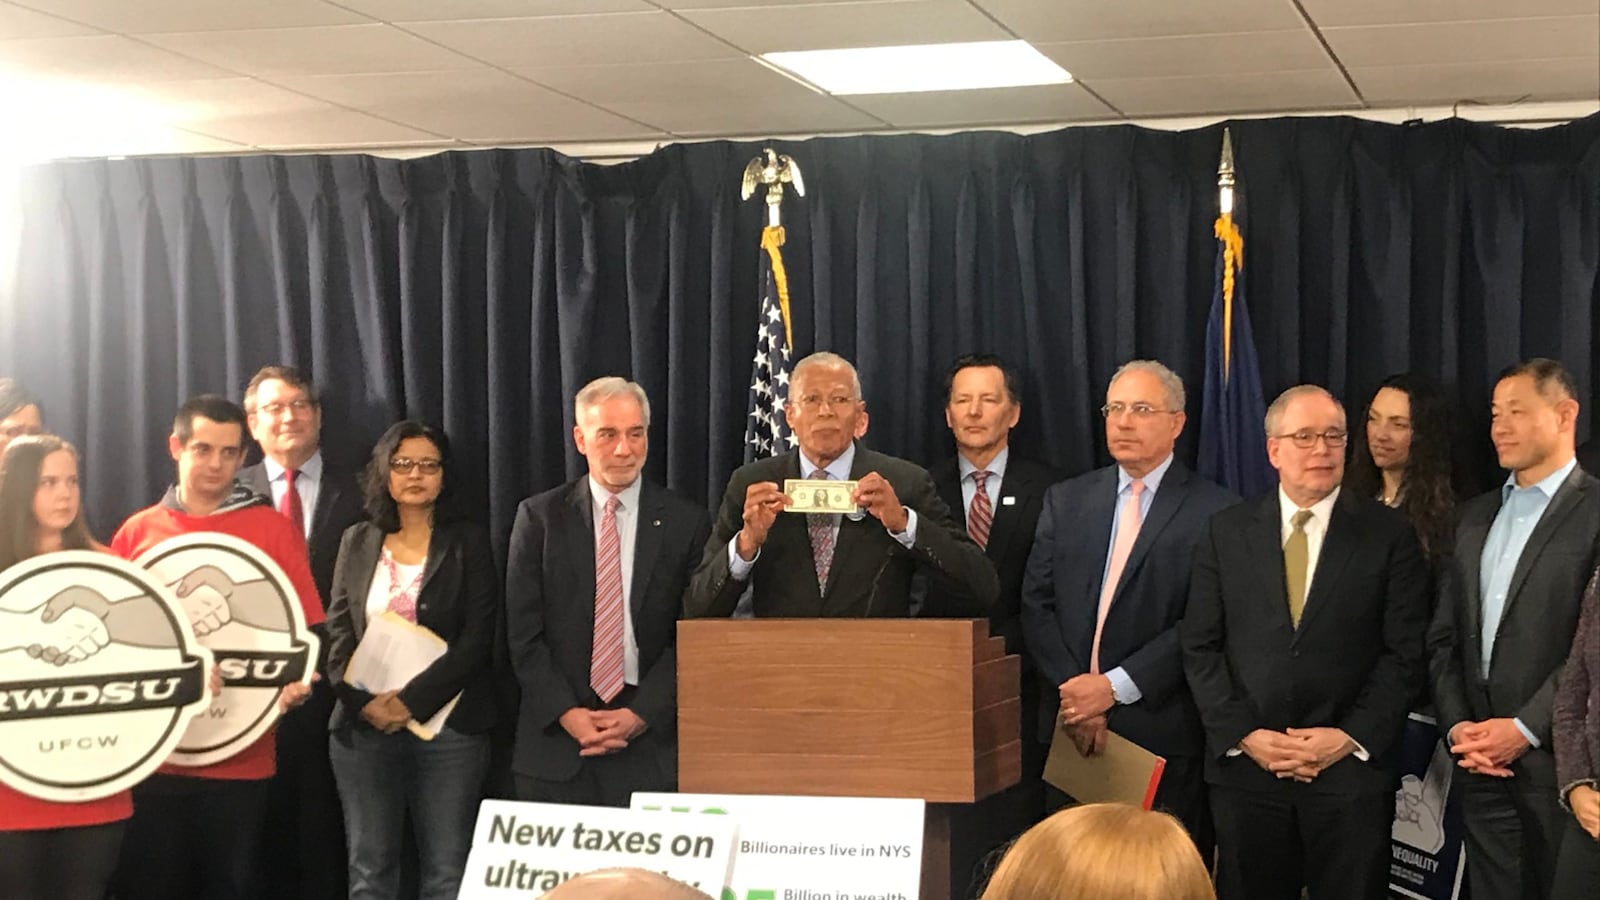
x: 980, y: 515
x: 605, y: 662
x: 821, y: 527
x: 1127, y: 533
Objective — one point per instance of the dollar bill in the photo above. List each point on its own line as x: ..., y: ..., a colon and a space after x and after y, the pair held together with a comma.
x: 808, y: 496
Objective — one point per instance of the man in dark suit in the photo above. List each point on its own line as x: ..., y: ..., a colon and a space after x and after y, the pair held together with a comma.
x: 1108, y: 582
x: 305, y: 825
x: 1508, y: 608
x: 595, y: 578
x: 1302, y: 644
x: 858, y: 564
x: 995, y: 495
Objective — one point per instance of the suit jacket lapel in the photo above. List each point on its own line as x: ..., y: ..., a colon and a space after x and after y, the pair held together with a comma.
x: 438, y: 549
x: 364, y: 563
x: 1472, y: 534
x: 1163, y: 507
x: 1561, y: 505
x: 646, y: 544
x: 1098, y: 512
x: 1338, y: 543
x: 579, y: 537
x: 847, y: 544
x: 1266, y: 545
x: 1003, y: 528
x: 328, y: 495
x: 950, y: 492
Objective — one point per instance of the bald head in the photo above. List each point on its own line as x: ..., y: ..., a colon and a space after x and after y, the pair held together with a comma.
x: 624, y: 884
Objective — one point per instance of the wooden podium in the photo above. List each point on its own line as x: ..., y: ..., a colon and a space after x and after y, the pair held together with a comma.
x: 924, y: 708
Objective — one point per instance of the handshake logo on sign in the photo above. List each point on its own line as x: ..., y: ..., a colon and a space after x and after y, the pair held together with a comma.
x: 242, y: 608
x: 100, y: 673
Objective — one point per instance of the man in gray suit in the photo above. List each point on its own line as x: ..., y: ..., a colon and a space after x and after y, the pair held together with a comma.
x: 1508, y: 607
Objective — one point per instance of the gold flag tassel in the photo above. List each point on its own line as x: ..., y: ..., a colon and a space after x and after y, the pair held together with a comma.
x: 771, y: 240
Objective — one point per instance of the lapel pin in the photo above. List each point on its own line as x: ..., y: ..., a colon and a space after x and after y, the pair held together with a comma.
x: 1008, y: 501
x: 656, y: 523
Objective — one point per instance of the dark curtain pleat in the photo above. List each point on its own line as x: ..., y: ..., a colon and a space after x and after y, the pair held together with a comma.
x: 480, y: 290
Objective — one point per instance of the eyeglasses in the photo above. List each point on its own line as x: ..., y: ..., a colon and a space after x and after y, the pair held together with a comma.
x: 402, y: 465
x: 1305, y: 440
x: 12, y: 432
x: 812, y: 402
x: 1139, y: 410
x: 298, y: 406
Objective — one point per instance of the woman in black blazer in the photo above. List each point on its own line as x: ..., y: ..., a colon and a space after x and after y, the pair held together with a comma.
x: 415, y: 562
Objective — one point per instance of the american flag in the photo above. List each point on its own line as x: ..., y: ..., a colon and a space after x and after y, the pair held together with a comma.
x: 766, y: 432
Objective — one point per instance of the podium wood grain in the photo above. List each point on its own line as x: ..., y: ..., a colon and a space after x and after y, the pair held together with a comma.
x: 924, y: 708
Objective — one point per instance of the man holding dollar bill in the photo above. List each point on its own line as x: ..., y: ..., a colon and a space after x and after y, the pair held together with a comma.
x: 832, y: 528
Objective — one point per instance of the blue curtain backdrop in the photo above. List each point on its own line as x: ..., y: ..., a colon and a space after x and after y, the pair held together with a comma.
x: 479, y: 290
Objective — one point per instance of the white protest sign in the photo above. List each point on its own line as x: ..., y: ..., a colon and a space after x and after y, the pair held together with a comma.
x: 244, y: 610
x: 99, y: 675
x: 814, y: 848
x: 526, y: 849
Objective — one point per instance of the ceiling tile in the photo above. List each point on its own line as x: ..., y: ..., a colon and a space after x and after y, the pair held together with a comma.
x: 827, y: 26
x: 1482, y: 82
x: 332, y: 50
x: 480, y: 105
x: 454, y: 10
x: 1270, y: 51
x: 1465, y: 42
x: 1221, y: 94
x: 577, y: 40
x: 324, y: 126
x: 155, y: 140
x: 108, y: 58
x: 728, y: 4
x: 1329, y: 13
x: 710, y: 117
x: 1094, y: 20
x: 183, y: 103
x: 995, y: 106
x: 17, y: 22
x: 146, y: 16
x: 736, y: 79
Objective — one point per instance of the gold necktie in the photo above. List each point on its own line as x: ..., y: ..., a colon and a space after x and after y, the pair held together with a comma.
x: 1295, y: 563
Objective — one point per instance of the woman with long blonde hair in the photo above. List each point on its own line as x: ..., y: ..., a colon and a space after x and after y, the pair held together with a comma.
x: 1100, y: 851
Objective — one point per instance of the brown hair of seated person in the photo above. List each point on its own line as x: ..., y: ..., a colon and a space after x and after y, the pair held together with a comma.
x: 1099, y: 851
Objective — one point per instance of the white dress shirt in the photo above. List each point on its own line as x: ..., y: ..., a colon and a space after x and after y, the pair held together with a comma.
x: 308, y: 484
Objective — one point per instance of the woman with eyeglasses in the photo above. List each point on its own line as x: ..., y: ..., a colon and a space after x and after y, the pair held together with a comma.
x: 412, y: 560
x: 59, y: 851
x: 1402, y: 457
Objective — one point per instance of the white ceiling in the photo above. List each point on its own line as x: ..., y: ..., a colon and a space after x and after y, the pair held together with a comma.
x: 210, y: 76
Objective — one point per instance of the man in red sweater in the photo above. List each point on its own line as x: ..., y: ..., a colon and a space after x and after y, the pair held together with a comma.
x: 196, y: 832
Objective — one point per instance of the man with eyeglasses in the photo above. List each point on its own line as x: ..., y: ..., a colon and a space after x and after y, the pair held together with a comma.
x: 1302, y: 644
x: 595, y: 579
x: 1508, y: 609
x: 1107, y: 583
x: 305, y: 833
x: 198, y: 832
x: 851, y: 565
x: 19, y: 412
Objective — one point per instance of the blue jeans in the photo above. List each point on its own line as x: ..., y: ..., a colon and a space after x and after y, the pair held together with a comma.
x: 385, y: 777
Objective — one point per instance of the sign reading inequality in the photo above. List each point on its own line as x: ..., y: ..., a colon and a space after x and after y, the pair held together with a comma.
x: 243, y: 608
x: 100, y: 673
x: 814, y: 848
x: 526, y: 849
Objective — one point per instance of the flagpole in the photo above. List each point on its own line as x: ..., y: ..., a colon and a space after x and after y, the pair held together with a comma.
x: 1232, y: 248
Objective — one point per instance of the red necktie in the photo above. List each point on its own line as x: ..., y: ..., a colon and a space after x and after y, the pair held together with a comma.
x: 605, y: 662
x: 290, y: 504
x: 981, y: 514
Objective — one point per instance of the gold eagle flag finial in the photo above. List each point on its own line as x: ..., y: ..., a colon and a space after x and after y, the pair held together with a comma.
x: 773, y: 170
